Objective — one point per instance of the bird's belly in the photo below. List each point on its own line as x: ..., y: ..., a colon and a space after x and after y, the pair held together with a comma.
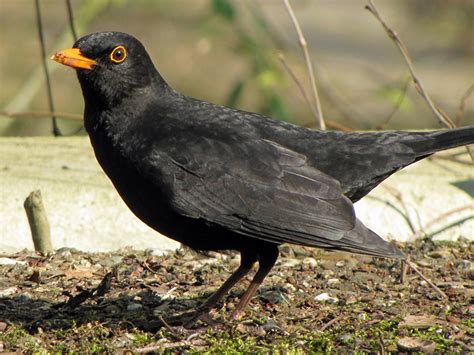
x: 151, y: 206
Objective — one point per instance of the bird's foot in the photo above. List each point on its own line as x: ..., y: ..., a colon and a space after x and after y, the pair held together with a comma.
x: 237, y: 315
x: 190, y: 318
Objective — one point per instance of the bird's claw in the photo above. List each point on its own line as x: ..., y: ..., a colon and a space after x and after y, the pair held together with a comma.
x: 189, y: 319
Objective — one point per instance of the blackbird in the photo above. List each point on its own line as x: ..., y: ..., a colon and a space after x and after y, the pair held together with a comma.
x: 216, y: 178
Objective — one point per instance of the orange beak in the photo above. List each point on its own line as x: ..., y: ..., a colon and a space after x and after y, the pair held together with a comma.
x: 73, y: 57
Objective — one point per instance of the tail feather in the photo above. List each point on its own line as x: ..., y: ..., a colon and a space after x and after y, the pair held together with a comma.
x: 428, y: 143
x: 362, y: 240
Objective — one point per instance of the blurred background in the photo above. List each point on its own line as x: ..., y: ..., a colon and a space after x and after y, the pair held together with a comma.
x: 227, y: 52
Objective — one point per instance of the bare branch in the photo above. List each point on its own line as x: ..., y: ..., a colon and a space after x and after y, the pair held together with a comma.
x: 442, y: 117
x: 440, y: 218
x: 290, y: 71
x: 309, y: 65
x: 414, y: 268
x: 399, y: 102
x: 462, y: 104
x: 42, y: 114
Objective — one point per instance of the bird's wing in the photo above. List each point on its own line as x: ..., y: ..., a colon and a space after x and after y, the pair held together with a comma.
x: 262, y: 189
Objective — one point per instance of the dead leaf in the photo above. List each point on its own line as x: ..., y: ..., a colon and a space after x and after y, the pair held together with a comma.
x: 422, y: 321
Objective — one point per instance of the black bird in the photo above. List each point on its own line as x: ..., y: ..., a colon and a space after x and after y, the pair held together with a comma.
x: 216, y: 178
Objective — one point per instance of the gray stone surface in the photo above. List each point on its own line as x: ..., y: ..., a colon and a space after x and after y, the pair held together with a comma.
x: 84, y: 210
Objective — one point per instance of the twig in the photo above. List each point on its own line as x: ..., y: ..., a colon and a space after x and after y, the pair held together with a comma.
x: 414, y: 268
x: 87, y: 11
x: 42, y: 114
x: 397, y: 106
x: 98, y: 291
x: 462, y: 104
x: 449, y: 158
x: 309, y: 65
x: 56, y: 130
x: 396, y: 209
x: 333, y: 125
x: 449, y: 226
x: 442, y: 217
x: 71, y: 19
x: 328, y: 324
x: 170, y: 329
x: 329, y: 123
x: 398, y: 196
x: 403, y: 270
x: 162, y: 346
x: 442, y: 117
x: 298, y: 83
x: 149, y: 268
x: 381, y: 344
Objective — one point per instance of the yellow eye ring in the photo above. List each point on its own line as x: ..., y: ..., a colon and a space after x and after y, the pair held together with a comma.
x: 118, y: 55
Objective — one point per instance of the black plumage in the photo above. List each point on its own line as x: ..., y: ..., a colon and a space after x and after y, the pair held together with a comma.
x: 216, y: 178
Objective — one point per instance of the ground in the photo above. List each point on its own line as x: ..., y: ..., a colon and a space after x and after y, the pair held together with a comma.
x: 311, y: 301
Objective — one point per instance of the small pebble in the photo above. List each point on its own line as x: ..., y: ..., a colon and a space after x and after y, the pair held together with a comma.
x: 132, y: 307
x: 424, y: 263
x: 9, y: 291
x: 311, y: 262
x: 341, y: 263
x: 327, y: 274
x: 155, y: 251
x: 8, y: 261
x: 324, y: 297
x: 346, y: 338
x: 3, y: 326
x: 464, y: 265
x: 290, y: 262
x: 412, y: 344
x: 24, y: 297
x: 332, y: 282
x: 85, y: 263
x: 64, y: 253
x: 351, y: 300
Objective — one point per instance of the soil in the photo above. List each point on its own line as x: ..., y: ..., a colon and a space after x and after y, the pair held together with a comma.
x: 312, y: 301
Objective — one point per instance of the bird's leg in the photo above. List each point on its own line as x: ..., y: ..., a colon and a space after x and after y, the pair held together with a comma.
x: 266, y: 260
x: 248, y: 258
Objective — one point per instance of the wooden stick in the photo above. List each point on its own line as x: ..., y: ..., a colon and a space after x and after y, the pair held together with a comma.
x: 309, y: 65
x: 38, y: 220
x: 415, y: 269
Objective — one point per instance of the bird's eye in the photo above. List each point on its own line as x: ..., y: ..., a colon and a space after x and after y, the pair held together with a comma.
x: 118, y: 55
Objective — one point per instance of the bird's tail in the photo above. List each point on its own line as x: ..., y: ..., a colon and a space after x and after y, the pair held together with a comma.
x: 431, y: 142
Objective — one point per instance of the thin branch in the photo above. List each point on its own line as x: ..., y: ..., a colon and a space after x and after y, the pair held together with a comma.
x: 396, y: 209
x: 71, y: 19
x: 414, y: 268
x: 398, y: 196
x: 330, y: 323
x: 298, y: 83
x: 42, y: 114
x: 403, y: 270
x: 449, y: 213
x: 332, y: 125
x: 440, y: 114
x: 397, y: 106
x: 462, y: 104
x: 309, y: 65
x: 56, y: 130
x: 403, y: 49
x: 454, y: 159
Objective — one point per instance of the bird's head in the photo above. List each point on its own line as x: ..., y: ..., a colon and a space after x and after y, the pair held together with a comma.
x: 110, y: 66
